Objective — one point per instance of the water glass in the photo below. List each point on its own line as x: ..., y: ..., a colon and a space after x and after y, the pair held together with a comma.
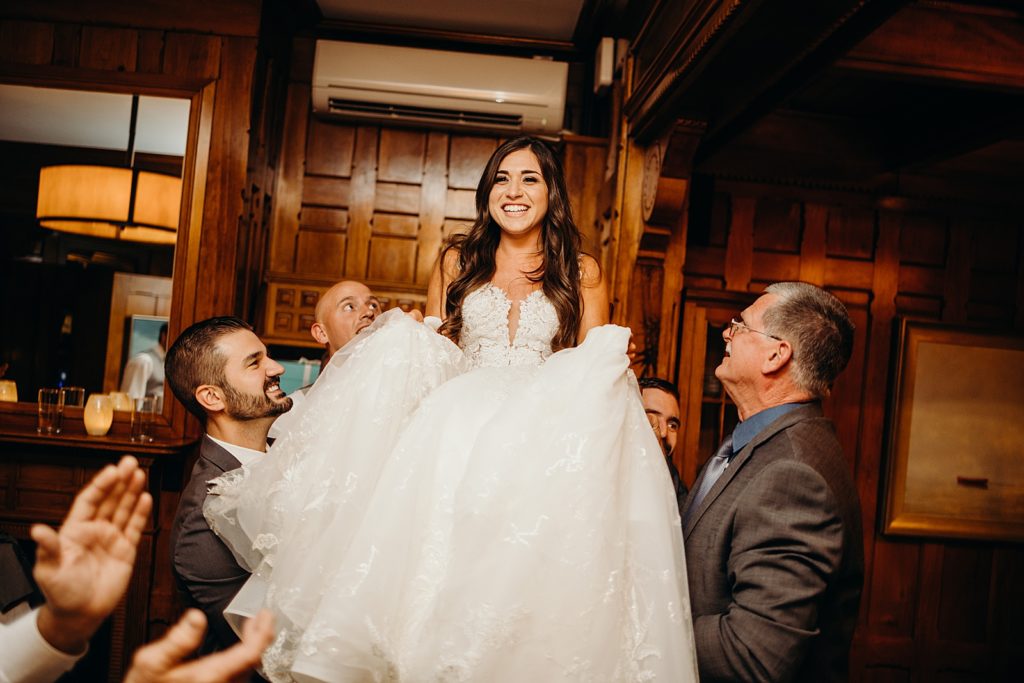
x: 8, y: 390
x: 51, y: 410
x: 74, y: 396
x: 98, y: 414
x: 143, y: 414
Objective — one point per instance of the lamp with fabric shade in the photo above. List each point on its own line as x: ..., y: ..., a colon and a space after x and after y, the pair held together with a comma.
x: 110, y: 202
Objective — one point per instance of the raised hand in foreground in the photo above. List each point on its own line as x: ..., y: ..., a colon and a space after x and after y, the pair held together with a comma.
x: 161, y: 660
x: 84, y: 568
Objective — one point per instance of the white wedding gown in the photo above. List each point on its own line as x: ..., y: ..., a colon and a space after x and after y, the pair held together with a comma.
x: 492, y: 513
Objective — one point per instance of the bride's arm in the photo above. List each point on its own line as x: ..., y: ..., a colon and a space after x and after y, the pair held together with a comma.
x: 439, y: 283
x: 594, y: 292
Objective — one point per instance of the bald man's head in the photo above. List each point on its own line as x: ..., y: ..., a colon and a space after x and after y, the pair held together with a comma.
x: 344, y: 310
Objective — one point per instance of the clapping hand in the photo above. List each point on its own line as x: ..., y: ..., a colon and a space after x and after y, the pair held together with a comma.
x: 84, y: 569
x: 162, y: 660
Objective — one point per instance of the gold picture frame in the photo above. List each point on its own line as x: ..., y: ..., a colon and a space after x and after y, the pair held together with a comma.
x: 956, y: 436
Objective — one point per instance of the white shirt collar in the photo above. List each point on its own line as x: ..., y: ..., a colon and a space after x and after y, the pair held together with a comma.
x: 242, y: 454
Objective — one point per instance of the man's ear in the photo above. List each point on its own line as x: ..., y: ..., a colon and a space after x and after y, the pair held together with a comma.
x: 779, y: 358
x: 318, y: 332
x: 210, y: 397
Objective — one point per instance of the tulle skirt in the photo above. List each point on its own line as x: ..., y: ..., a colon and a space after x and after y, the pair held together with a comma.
x: 424, y: 522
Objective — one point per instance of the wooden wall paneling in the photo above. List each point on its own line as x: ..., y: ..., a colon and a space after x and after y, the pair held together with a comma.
x: 777, y: 225
x: 460, y: 204
x: 963, y: 604
x: 320, y: 253
x: 892, y: 601
x: 993, y: 274
x: 672, y: 300
x: 364, y: 182
x: 888, y: 597
x: 843, y: 405
x: 66, y: 41
x: 392, y: 254
x: 288, y: 186
x: 923, y: 240
x: 226, y: 178
x: 926, y: 280
x: 739, y: 250
x: 329, y: 144
x: 110, y: 49
x: 395, y: 225
x: 645, y: 314
x: 851, y: 232
x: 692, y: 347
x: 433, y: 192
x: 627, y: 231
x: 324, y: 191
x: 1018, y: 320
x: 469, y: 155
x: 854, y: 274
x: 813, y: 244
x: 325, y: 218
x: 401, y: 155
x: 392, y: 260
x: 958, y: 274
x: 928, y: 659
x: 198, y: 56
x: 767, y: 267
x: 26, y: 42
x: 225, y: 17
x: 584, y: 177
x: 150, y: 52
x: 885, y: 674
x: 1007, y: 599
x: 396, y: 197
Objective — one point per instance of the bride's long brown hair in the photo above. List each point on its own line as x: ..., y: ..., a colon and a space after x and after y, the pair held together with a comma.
x: 559, y: 270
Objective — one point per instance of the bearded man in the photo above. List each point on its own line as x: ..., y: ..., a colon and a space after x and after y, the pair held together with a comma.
x: 219, y: 369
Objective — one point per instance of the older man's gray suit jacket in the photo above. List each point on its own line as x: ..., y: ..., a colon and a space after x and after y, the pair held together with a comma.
x: 775, y: 558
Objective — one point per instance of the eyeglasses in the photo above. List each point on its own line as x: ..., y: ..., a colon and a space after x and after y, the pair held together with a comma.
x: 735, y: 324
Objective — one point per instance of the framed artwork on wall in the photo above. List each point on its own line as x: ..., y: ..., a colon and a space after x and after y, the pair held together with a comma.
x: 956, y: 435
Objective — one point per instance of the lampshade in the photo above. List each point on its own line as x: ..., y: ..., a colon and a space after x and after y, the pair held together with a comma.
x: 97, y: 201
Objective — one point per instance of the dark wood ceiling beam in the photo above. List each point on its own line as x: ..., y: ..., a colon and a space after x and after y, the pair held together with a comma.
x: 335, y: 29
x: 788, y: 145
x: 731, y: 61
x: 947, y: 43
x: 759, y: 89
x: 946, y: 136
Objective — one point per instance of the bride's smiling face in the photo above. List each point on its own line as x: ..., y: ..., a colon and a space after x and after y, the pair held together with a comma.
x: 518, y: 200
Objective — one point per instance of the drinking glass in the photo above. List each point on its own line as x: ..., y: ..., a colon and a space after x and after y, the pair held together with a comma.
x: 143, y: 413
x: 74, y: 396
x: 51, y: 408
x: 98, y: 414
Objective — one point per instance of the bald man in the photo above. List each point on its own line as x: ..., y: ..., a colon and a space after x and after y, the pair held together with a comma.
x: 343, y: 311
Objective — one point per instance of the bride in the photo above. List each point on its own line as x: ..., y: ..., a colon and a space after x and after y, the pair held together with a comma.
x: 485, y: 504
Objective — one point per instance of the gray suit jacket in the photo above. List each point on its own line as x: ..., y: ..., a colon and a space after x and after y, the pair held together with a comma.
x: 204, y: 568
x: 775, y: 558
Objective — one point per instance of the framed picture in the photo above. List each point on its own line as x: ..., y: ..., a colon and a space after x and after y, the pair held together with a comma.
x: 956, y: 435
x: 144, y: 332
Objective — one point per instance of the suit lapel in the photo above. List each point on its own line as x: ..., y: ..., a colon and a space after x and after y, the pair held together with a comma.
x: 217, y: 455
x: 741, y: 458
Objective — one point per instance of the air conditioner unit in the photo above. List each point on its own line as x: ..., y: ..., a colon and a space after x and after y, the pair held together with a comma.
x: 438, y: 88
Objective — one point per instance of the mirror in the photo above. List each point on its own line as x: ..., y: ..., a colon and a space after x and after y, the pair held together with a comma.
x: 81, y: 281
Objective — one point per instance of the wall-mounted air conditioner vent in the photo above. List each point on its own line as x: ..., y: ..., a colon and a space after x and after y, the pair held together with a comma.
x: 437, y: 88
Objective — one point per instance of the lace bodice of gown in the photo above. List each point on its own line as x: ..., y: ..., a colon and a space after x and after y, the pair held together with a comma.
x: 485, y: 329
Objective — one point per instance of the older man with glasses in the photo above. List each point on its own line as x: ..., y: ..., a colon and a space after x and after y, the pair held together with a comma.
x: 772, y: 526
